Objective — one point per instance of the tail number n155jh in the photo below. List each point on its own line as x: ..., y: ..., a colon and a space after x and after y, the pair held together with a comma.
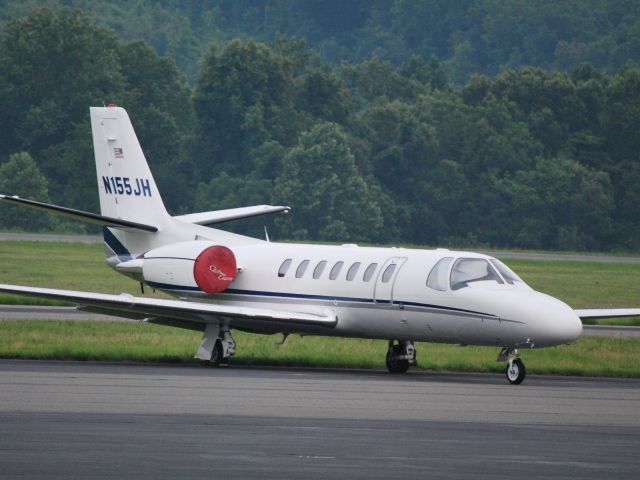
x: 126, y: 186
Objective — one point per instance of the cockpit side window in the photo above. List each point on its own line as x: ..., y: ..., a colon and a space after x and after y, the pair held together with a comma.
x: 509, y: 275
x: 467, y: 270
x: 438, y: 278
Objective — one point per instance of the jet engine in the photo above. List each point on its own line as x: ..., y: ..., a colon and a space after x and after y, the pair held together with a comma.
x: 192, y: 266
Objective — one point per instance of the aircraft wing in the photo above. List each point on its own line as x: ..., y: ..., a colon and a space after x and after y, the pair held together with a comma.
x: 129, y: 306
x: 608, y: 312
x: 79, y: 214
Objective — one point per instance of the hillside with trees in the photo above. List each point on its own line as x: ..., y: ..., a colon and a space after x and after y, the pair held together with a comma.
x: 375, y: 126
x: 468, y: 36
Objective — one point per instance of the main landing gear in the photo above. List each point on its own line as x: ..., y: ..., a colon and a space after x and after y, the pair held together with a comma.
x: 216, y: 347
x: 515, y: 370
x: 400, y: 356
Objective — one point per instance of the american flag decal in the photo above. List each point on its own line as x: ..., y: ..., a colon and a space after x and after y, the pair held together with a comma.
x: 118, y: 152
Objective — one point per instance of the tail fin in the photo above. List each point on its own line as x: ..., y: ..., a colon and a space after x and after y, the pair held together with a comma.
x: 126, y: 187
x: 132, y: 211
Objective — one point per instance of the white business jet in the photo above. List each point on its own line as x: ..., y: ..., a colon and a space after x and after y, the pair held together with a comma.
x: 223, y: 281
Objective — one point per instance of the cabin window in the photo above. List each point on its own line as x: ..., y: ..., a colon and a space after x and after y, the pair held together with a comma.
x: 353, y: 270
x: 284, y: 267
x: 388, y: 273
x: 508, y: 274
x: 335, y: 271
x: 302, y: 268
x: 368, y: 273
x: 467, y: 270
x: 319, y: 269
x: 438, y: 278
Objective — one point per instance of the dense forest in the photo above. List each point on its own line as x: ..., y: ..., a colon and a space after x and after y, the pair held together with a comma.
x: 468, y: 36
x: 506, y: 124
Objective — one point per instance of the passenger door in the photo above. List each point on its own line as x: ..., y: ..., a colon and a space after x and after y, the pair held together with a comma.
x: 386, y: 279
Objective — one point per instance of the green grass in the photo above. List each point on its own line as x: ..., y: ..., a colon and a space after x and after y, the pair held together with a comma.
x: 73, y: 266
x: 81, y: 267
x: 593, y: 356
x: 585, y: 284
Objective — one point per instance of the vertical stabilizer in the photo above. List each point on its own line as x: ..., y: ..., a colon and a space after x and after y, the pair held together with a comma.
x: 126, y: 187
x: 129, y: 193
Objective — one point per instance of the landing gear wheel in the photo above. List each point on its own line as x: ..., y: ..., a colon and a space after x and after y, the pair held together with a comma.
x: 400, y: 356
x: 398, y: 366
x: 516, y: 371
x: 217, y: 354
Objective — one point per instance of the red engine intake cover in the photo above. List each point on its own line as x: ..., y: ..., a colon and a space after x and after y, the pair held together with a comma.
x: 214, y: 269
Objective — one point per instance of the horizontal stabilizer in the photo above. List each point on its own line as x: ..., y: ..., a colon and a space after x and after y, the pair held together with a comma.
x: 79, y: 214
x: 608, y: 312
x: 128, y: 306
x: 219, y: 216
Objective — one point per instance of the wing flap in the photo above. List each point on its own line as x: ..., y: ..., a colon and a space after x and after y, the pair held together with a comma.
x: 608, y: 312
x: 129, y: 306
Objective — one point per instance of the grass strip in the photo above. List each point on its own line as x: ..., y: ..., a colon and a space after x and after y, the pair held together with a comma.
x: 71, y: 266
x: 78, y: 266
x: 71, y: 340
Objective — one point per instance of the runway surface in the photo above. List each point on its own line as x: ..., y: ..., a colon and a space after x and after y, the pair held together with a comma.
x: 88, y: 420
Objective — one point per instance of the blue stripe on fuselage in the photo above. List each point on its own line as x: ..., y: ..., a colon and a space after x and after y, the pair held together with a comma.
x: 304, y: 296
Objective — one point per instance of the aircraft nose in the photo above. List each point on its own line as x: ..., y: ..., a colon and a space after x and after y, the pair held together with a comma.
x: 568, y: 326
x: 561, y: 324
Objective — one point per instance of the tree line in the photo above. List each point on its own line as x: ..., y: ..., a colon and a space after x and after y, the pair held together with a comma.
x: 364, y: 151
x: 469, y: 36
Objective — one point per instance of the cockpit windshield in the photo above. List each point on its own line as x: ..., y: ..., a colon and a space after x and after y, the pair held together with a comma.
x: 509, y: 275
x: 467, y: 270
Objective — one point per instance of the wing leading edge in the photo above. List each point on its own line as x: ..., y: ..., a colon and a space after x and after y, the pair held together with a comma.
x: 203, y: 218
x: 79, y: 214
x: 221, y: 216
x: 129, y: 306
x: 608, y: 312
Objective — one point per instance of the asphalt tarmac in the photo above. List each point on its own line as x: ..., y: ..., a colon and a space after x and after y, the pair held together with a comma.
x: 99, y: 420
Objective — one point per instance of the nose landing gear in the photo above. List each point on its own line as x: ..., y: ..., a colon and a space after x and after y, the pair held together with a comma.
x: 515, y: 370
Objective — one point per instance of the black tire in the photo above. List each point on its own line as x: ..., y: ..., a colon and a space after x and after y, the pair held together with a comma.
x: 205, y: 363
x: 398, y: 366
x: 516, y: 372
x: 216, y: 355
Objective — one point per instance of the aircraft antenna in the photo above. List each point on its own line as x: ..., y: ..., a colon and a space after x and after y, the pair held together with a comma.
x: 266, y: 234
